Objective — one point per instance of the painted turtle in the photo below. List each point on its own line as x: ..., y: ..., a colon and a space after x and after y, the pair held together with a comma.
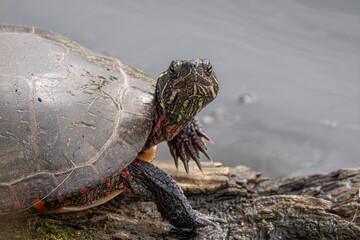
x: 77, y: 128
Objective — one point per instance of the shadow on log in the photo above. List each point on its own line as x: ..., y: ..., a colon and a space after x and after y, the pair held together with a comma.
x: 320, y: 206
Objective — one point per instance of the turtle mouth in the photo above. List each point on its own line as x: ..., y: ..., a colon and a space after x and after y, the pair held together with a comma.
x: 192, y: 81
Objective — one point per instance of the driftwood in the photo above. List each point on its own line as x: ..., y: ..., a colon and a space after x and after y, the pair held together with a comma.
x: 320, y: 206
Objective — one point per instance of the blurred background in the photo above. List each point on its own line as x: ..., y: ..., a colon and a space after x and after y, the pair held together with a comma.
x: 289, y: 70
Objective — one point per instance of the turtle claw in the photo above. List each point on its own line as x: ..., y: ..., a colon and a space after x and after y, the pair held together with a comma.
x: 219, y: 220
x: 173, y: 153
x: 186, y: 165
x: 204, y: 220
x: 197, y: 161
x: 188, y: 144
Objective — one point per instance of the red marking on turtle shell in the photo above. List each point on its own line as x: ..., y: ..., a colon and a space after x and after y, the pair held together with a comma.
x: 138, y: 172
x: 12, y: 191
x: 39, y: 205
x: 108, y: 182
x: 16, y: 206
x: 67, y: 202
x: 107, y: 194
x: 123, y: 174
x: 59, y: 193
x: 84, y: 190
x: 23, y: 189
x: 58, y: 209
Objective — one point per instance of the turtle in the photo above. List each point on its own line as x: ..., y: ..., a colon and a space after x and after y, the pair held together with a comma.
x: 77, y: 127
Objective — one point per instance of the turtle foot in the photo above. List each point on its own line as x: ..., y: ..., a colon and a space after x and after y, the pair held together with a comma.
x: 188, y: 144
x: 143, y: 178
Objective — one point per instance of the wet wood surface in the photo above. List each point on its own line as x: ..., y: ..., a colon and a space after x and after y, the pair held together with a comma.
x: 320, y: 206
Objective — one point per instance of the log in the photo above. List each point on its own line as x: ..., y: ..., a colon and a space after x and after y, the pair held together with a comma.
x: 319, y: 206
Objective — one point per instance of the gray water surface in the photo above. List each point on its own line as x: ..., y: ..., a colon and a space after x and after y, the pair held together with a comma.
x: 289, y: 100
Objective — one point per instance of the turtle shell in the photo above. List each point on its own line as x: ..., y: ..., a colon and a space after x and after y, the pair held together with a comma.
x: 69, y: 118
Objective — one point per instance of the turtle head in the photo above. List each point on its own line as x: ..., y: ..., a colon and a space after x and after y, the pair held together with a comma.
x: 186, y: 87
x: 182, y: 91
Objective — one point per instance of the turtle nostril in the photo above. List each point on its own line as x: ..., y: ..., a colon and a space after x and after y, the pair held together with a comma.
x: 191, y: 65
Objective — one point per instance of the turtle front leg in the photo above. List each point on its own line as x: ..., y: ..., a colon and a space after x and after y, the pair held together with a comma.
x: 188, y: 143
x: 144, y: 179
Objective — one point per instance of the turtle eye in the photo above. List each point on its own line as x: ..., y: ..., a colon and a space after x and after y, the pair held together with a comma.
x: 207, y: 66
x: 172, y: 68
x: 208, y: 69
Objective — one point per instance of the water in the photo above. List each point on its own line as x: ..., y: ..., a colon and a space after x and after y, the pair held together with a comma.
x: 289, y: 100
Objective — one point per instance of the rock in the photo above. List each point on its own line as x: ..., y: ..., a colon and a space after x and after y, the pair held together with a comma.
x: 246, y: 98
